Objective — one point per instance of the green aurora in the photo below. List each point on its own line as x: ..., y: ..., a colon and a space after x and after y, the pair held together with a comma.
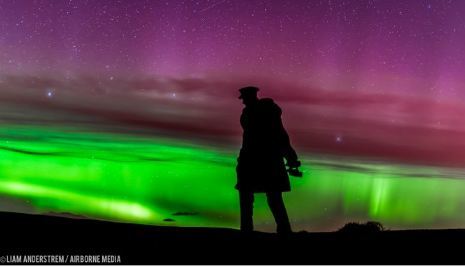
x: 145, y: 180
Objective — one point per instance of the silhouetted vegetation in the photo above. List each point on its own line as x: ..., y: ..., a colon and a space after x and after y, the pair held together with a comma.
x: 368, y: 227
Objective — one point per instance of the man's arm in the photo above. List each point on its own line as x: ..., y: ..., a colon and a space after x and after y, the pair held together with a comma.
x: 286, y: 148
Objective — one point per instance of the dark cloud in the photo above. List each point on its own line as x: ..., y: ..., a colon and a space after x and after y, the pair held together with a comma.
x: 388, y: 127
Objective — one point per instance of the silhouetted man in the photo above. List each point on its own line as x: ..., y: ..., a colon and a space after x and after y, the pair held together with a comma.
x: 260, y: 167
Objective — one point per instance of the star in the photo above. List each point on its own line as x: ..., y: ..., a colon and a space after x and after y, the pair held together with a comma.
x: 50, y: 93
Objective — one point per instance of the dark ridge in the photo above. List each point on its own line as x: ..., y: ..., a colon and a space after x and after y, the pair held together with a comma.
x: 70, y: 154
x: 185, y: 213
x: 30, y: 152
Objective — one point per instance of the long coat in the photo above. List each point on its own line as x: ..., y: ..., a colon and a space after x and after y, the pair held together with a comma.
x: 265, y: 144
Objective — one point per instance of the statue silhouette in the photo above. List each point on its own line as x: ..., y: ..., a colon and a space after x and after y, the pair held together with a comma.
x: 260, y: 167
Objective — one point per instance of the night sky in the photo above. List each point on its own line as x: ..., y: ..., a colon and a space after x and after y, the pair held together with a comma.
x: 383, y: 75
x: 367, y: 80
x: 321, y: 42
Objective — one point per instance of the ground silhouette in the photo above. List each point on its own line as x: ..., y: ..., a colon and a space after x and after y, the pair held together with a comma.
x: 145, y: 244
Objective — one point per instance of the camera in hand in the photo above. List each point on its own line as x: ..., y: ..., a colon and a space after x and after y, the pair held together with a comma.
x: 295, y: 172
x: 293, y: 169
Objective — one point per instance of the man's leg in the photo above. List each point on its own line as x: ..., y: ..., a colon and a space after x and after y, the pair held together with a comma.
x: 246, y: 200
x: 276, y: 203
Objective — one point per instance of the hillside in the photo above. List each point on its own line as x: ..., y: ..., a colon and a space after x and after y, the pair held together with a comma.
x: 142, y: 244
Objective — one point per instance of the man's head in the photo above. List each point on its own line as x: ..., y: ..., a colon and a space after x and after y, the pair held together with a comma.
x: 248, y: 95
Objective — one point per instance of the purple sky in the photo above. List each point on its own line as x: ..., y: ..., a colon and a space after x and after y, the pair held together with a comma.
x: 365, y: 78
x: 364, y: 41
